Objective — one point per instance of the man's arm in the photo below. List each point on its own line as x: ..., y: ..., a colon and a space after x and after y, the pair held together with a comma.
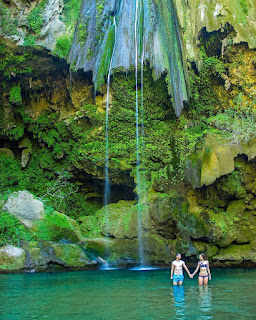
x: 172, y: 269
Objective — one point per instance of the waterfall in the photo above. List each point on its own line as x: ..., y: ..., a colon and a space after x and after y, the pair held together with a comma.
x: 107, y: 184
x: 138, y: 176
x: 146, y: 30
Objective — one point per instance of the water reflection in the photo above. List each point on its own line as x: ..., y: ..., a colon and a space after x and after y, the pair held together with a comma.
x: 179, y: 301
x: 205, y: 302
x: 198, y: 305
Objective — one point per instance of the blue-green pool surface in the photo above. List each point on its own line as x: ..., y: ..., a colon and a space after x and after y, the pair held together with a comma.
x: 127, y: 294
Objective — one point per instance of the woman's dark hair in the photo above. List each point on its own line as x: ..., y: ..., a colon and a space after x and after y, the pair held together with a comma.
x: 203, y: 255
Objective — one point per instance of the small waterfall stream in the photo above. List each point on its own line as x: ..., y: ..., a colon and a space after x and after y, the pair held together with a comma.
x: 107, y: 184
x: 137, y: 29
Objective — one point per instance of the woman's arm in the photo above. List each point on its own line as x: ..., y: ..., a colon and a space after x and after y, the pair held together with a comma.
x: 197, y: 268
x: 172, y: 269
x: 209, y: 271
x: 186, y: 268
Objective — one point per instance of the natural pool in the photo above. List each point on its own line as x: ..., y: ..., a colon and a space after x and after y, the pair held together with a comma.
x: 126, y: 294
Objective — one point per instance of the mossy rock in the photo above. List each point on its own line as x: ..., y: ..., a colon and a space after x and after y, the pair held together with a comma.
x: 6, y: 152
x: 70, y: 255
x: 122, y: 251
x: 35, y: 259
x: 12, y: 258
x: 117, y: 220
x: 236, y: 208
x: 209, y: 250
x: 236, y: 254
x: 97, y: 246
x: 57, y: 226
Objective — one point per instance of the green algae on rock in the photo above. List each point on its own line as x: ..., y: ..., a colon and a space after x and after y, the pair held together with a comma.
x: 12, y: 258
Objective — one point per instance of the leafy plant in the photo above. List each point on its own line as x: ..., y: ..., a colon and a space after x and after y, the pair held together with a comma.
x: 12, y: 231
x: 35, y: 17
x: 63, y: 45
x: 237, y: 124
x: 15, y: 95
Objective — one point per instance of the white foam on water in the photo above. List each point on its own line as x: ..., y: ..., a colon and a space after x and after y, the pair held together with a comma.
x: 142, y: 268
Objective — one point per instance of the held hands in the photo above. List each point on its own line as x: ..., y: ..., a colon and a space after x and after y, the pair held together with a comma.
x: 191, y: 276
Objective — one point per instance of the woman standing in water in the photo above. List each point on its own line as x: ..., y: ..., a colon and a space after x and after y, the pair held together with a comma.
x: 204, y: 273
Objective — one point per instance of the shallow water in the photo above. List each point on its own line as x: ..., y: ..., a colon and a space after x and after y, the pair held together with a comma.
x: 127, y: 294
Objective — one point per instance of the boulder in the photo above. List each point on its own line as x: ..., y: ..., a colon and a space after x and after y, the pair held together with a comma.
x: 57, y: 226
x: 12, y: 258
x: 97, y: 246
x: 117, y: 220
x: 70, y: 255
x: 6, y: 152
x: 25, y: 207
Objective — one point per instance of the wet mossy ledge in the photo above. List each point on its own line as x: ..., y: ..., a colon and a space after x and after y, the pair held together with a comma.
x: 198, y: 169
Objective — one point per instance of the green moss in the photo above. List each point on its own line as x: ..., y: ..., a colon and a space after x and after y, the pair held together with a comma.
x: 82, y: 32
x: 35, y: 17
x: 71, y: 12
x: 241, y: 11
x: 204, y: 99
x: 15, y: 95
x: 70, y: 254
x: 9, y: 22
x: 63, y: 45
x: 232, y: 184
x: 55, y: 227
x: 29, y: 41
x: 12, y: 231
x: 12, y: 62
x: 106, y: 57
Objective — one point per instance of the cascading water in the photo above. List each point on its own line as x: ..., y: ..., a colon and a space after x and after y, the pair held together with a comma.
x: 107, y: 184
x: 155, y: 38
x: 138, y: 176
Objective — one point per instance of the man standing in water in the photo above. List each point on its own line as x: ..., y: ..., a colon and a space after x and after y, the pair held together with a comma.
x: 177, y: 270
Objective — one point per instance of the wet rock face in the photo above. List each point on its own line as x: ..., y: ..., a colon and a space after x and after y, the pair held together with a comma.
x: 195, y: 15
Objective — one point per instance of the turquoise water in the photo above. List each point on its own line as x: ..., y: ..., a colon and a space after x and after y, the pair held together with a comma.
x: 124, y: 294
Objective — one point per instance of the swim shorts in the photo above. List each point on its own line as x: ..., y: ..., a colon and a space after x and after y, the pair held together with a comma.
x: 178, y: 277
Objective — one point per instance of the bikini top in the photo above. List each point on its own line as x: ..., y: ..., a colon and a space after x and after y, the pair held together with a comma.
x: 203, y: 264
